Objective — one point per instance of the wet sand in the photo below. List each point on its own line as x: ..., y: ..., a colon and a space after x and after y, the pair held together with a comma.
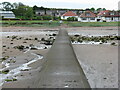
x: 99, y: 62
x: 25, y: 38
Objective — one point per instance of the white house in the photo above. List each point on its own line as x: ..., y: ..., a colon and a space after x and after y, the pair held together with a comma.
x: 69, y: 14
x: 7, y: 14
x: 108, y: 16
x: 87, y: 16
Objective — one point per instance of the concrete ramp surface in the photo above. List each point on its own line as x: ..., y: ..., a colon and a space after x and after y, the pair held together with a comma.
x: 62, y: 69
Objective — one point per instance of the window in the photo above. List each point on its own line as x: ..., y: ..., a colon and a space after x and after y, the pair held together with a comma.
x: 87, y: 14
x: 83, y: 18
x: 38, y: 13
x: 112, y: 13
x: 92, y: 18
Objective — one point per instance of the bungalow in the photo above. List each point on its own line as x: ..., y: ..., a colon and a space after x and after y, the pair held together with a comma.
x: 7, y: 14
x: 69, y: 14
x: 87, y: 16
x: 108, y: 16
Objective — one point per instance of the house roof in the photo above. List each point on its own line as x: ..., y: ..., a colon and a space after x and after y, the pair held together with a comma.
x: 101, y: 13
x: 109, y: 13
x: 88, y: 14
x: 69, y: 13
x: 113, y: 14
x: 5, y: 12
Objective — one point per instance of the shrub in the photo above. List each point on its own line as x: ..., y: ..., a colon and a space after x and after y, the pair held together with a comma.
x: 72, y: 19
x: 46, y: 17
x: 56, y: 18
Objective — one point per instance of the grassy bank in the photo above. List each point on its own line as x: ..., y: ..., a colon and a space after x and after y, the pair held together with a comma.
x: 30, y: 23
x: 40, y: 23
x: 92, y: 24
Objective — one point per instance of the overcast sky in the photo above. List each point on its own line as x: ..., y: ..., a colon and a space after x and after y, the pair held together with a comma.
x: 79, y: 4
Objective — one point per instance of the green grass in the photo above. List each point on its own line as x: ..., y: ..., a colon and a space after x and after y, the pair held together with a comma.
x: 45, y: 23
x: 9, y: 80
x: 36, y: 23
x: 91, y: 24
x: 4, y: 72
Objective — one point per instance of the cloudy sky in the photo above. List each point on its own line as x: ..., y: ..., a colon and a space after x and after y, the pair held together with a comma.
x: 79, y: 4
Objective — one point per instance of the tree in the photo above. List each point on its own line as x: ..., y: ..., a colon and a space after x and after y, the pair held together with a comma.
x: 92, y: 9
x: 15, y: 5
x: 7, y: 6
x: 87, y: 9
x: 99, y: 9
x: 35, y: 8
x: 24, y: 12
x: 104, y: 9
x: 29, y: 12
x: 42, y: 8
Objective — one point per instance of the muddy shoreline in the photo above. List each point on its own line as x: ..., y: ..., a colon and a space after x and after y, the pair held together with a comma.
x: 99, y: 62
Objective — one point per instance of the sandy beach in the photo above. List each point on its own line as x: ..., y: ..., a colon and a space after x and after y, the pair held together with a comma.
x: 99, y: 62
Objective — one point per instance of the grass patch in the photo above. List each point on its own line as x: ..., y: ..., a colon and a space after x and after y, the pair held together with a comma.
x: 91, y: 24
x: 30, y: 23
x: 4, y: 72
x: 46, y: 23
x: 9, y: 80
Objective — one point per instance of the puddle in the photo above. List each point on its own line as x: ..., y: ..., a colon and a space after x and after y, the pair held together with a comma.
x: 17, y: 70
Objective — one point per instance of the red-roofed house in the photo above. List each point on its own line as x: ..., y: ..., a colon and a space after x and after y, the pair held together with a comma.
x: 108, y: 16
x: 69, y: 14
x: 87, y: 16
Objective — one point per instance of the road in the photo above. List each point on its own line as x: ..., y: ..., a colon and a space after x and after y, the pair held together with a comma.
x: 62, y: 69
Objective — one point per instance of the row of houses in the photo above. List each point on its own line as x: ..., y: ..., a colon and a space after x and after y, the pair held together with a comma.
x: 88, y: 16
x: 56, y: 12
x: 82, y: 16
